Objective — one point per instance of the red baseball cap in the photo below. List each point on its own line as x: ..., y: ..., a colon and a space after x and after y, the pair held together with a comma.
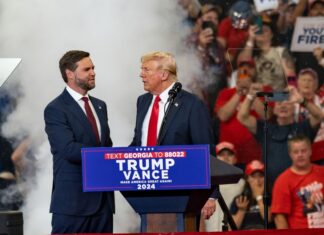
x: 225, y: 145
x: 254, y: 166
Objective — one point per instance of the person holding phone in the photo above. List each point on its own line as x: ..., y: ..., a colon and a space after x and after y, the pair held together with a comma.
x: 280, y: 128
x: 273, y: 62
x: 211, y: 55
x: 248, y: 208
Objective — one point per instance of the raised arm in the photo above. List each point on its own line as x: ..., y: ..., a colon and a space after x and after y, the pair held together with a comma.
x: 316, y: 114
x: 243, y: 114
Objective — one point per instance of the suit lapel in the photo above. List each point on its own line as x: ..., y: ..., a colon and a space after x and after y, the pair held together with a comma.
x: 144, y: 106
x: 76, y: 110
x: 171, y: 115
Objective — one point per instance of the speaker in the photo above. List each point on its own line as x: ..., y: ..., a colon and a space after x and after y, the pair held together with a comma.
x: 11, y: 223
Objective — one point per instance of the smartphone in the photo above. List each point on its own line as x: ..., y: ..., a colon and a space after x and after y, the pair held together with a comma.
x: 258, y: 21
x: 208, y: 24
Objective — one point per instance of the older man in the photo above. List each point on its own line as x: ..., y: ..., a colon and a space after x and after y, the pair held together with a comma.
x: 188, y: 120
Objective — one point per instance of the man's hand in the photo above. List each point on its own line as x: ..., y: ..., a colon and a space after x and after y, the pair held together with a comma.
x: 294, y: 95
x: 255, y: 88
x: 208, y: 209
x: 318, y: 53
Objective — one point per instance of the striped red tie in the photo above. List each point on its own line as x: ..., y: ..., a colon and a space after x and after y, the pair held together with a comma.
x: 152, y: 129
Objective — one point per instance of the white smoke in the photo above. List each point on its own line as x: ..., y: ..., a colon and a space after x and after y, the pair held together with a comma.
x: 116, y: 33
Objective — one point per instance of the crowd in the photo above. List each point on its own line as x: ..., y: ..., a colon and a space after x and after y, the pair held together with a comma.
x: 243, y: 53
x: 246, y: 55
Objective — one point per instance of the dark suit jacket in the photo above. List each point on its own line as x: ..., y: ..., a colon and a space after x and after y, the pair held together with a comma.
x: 187, y: 123
x: 68, y: 131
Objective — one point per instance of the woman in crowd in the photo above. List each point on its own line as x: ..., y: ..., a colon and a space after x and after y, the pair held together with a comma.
x: 248, y: 208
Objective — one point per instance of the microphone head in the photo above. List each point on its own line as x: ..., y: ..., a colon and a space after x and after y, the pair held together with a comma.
x: 174, y: 90
x: 177, y: 86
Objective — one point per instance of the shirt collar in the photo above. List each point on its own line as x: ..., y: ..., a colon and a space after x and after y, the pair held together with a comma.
x: 165, y: 94
x: 75, y: 95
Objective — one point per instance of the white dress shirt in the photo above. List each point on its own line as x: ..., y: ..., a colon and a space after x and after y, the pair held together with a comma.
x: 78, y: 98
x: 164, y: 97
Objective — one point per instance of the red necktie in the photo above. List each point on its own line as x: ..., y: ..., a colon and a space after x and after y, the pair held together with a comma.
x: 152, y: 129
x: 91, y: 118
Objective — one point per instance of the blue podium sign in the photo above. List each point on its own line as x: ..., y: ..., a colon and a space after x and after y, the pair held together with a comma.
x: 146, y: 168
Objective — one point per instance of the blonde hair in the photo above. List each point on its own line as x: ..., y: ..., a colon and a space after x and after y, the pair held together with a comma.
x: 166, y: 62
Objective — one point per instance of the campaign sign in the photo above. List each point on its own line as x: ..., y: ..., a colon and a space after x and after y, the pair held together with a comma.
x: 146, y: 168
x: 308, y: 34
x: 263, y: 5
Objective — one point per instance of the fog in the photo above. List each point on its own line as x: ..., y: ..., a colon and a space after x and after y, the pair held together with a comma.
x: 116, y: 33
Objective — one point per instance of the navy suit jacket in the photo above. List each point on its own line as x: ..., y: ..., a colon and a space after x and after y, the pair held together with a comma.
x: 188, y: 121
x: 69, y: 130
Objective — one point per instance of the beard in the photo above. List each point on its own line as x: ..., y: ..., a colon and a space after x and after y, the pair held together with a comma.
x: 84, y: 84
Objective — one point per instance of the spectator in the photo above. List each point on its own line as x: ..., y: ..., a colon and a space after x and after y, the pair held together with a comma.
x: 310, y: 59
x: 192, y: 7
x: 10, y: 197
x: 280, y: 130
x: 285, y: 22
x: 226, y: 152
x: 24, y: 160
x: 248, y: 207
x: 233, y: 30
x: 211, y: 56
x: 312, y: 8
x: 226, y: 108
x: 318, y: 53
x: 273, y: 62
x: 298, y: 191
x: 307, y: 85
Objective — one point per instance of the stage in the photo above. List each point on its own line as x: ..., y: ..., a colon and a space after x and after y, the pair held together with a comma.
x: 247, y: 232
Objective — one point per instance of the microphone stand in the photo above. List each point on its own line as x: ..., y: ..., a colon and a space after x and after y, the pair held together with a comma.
x: 267, y: 96
x: 265, y: 151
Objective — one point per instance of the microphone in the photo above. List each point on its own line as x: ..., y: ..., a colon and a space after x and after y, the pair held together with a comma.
x: 174, y: 91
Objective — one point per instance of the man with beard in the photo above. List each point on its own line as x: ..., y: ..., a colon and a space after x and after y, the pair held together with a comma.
x: 75, y: 120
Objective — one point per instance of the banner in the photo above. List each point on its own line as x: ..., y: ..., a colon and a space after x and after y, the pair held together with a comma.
x: 263, y: 5
x: 146, y: 168
x: 308, y: 34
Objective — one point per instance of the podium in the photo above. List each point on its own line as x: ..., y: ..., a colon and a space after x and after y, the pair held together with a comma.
x: 180, y: 206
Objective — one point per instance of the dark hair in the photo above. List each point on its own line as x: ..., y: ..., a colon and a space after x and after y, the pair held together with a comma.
x: 69, y: 60
x: 298, y: 138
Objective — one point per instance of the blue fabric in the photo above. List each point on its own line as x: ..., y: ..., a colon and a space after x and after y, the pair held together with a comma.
x: 188, y: 121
